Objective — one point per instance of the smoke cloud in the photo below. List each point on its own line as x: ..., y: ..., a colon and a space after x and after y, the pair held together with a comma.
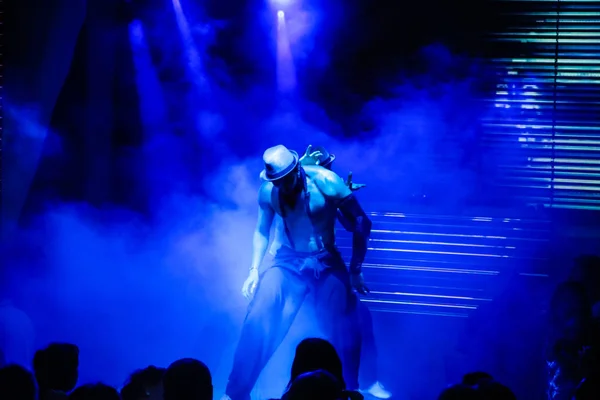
x: 133, y: 289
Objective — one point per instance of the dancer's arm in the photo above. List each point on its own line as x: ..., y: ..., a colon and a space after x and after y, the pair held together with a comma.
x: 262, y: 232
x: 354, y: 218
x: 360, y: 225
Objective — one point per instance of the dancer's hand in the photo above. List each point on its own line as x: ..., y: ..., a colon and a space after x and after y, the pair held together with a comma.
x: 310, y: 157
x: 353, y: 186
x: 250, y: 284
x: 358, y: 283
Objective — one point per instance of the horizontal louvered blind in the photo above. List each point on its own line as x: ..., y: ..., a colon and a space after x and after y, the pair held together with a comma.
x: 447, y: 265
x: 543, y: 130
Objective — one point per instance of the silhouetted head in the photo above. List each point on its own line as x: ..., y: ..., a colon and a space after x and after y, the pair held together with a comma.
x: 56, y: 367
x: 492, y: 390
x: 16, y: 383
x: 474, y: 378
x: 144, y: 384
x: 96, y: 391
x: 459, y: 392
x: 187, y: 379
x: 315, y: 354
x: 315, y: 385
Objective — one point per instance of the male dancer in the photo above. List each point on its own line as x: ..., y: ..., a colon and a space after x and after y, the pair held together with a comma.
x: 309, y: 266
x: 320, y: 156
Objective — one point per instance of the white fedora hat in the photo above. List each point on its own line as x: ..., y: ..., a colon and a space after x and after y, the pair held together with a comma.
x: 279, y: 161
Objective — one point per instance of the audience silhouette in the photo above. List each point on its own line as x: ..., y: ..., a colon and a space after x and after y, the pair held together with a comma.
x: 96, y: 391
x: 16, y: 383
x: 56, y: 370
x: 187, y: 379
x: 460, y: 392
x: 144, y: 384
x: 573, y: 358
x: 315, y: 354
x: 315, y: 385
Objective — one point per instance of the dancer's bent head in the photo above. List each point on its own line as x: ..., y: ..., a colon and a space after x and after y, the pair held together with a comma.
x: 281, y: 168
x: 289, y: 183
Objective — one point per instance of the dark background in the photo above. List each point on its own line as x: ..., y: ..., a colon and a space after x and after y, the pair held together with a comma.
x: 377, y: 40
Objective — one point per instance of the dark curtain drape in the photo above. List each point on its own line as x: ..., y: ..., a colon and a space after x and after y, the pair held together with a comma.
x: 39, y: 40
x: 95, y: 121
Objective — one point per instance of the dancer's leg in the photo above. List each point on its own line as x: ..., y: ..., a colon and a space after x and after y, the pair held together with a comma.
x: 278, y: 298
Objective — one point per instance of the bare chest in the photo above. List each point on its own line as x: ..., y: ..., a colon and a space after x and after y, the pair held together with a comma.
x: 308, y: 205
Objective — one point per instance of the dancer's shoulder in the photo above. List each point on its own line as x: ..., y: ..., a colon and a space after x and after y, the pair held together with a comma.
x: 318, y: 173
x: 328, y: 182
x: 264, y: 193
